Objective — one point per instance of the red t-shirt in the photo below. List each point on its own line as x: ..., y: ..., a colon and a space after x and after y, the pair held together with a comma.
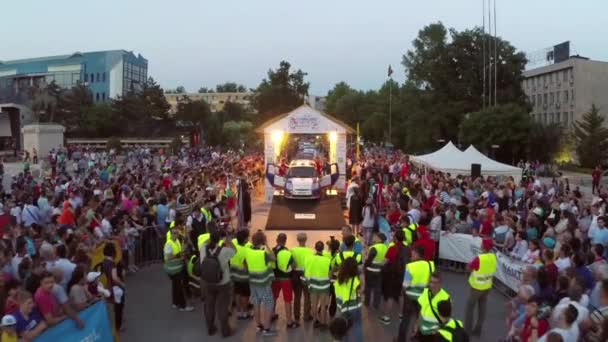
x: 46, y: 303
x: 552, y: 273
x: 392, y: 253
x: 486, y: 228
x: 393, y: 217
x: 543, y: 326
x: 429, y: 248
x: 67, y: 217
x: 405, y: 170
x: 474, y: 264
x: 596, y: 174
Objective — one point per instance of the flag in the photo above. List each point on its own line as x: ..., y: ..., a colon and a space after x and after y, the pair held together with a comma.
x: 390, y: 70
x: 358, y: 142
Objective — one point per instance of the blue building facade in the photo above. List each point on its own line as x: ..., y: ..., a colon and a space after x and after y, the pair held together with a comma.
x: 108, y: 74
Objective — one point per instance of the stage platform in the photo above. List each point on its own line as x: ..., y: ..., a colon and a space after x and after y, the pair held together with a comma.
x: 324, y: 214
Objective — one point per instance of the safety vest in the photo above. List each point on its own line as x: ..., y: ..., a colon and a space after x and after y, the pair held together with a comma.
x: 176, y: 247
x: 282, y: 268
x: 428, y: 322
x: 393, y: 243
x: 299, y: 256
x: 379, y: 259
x: 207, y: 214
x: 409, y: 232
x: 346, y: 295
x: 481, y: 279
x: 190, y: 266
x: 420, y: 271
x: 203, y: 238
x: 317, y: 273
x: 237, y: 262
x: 341, y: 256
x: 260, y: 273
x: 447, y: 334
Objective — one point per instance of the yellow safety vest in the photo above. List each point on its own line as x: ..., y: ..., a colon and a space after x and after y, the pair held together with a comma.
x: 283, y: 264
x: 190, y: 266
x: 420, y: 271
x: 409, y: 232
x: 341, y: 256
x: 299, y: 256
x: 203, y: 238
x: 260, y: 273
x: 379, y: 259
x: 176, y: 247
x: 481, y: 279
x: 346, y: 295
x: 317, y: 273
x: 237, y: 262
x: 428, y: 322
x: 447, y: 334
x: 207, y: 214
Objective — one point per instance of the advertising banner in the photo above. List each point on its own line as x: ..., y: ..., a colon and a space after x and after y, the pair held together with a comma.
x: 97, y: 327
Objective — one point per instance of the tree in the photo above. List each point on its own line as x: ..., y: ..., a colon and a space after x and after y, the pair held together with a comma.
x: 203, y: 90
x: 340, y: 90
x: 72, y: 104
x: 234, y: 111
x: 44, y: 102
x: 101, y: 120
x: 193, y: 114
x: 180, y: 90
x: 281, y: 92
x: 241, y: 89
x: 591, y: 138
x: 237, y: 133
x: 374, y: 128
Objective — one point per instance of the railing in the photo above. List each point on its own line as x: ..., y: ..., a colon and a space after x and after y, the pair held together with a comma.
x: 148, y: 247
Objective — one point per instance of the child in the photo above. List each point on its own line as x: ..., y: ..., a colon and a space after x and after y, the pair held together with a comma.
x: 9, y: 329
x: 95, y: 287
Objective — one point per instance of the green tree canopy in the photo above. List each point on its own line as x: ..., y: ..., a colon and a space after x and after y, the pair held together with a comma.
x: 281, y: 92
x: 591, y: 138
x: 203, y: 90
x: 230, y: 87
x: 192, y: 113
x: 180, y: 90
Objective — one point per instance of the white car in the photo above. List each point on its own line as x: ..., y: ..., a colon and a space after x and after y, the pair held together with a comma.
x: 302, y: 180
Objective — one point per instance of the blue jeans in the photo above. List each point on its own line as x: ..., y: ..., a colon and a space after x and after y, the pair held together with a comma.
x: 355, y: 332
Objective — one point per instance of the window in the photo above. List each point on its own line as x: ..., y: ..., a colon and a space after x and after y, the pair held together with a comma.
x: 572, y: 117
x: 86, y: 77
x: 103, y: 96
x: 565, y: 115
x: 551, y: 98
x: 92, y: 78
x: 545, y: 117
x: 557, y: 97
x: 539, y: 100
x: 566, y: 75
x: 545, y: 98
x: 532, y: 98
x: 98, y: 79
x: 97, y: 96
x: 572, y: 95
x: 565, y: 96
x: 103, y: 77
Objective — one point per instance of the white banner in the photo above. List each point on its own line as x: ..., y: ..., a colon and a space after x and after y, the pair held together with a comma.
x: 465, y: 247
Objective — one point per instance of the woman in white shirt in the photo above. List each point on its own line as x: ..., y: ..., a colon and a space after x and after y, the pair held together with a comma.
x: 533, y: 252
x: 563, y: 261
x: 369, y: 220
x: 521, y: 246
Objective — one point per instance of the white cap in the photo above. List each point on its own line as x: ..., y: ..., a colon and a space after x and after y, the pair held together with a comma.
x: 92, y: 276
x: 485, y: 194
x: 8, y: 320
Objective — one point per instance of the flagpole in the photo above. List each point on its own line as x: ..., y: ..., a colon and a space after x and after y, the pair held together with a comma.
x: 390, y: 110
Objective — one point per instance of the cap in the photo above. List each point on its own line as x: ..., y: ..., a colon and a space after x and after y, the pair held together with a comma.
x: 8, y: 320
x: 538, y: 211
x: 485, y: 194
x: 487, y: 244
x: 92, y: 276
x: 549, y: 242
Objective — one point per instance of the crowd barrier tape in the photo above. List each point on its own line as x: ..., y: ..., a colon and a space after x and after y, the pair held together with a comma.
x: 97, y: 327
x: 464, y: 247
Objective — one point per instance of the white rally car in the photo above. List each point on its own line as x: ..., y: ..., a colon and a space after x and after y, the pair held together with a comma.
x: 302, y: 180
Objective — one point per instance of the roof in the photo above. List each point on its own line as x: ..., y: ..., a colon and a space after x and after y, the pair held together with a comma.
x: 325, y: 115
x: 58, y: 57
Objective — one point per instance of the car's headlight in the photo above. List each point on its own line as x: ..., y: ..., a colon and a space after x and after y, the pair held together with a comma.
x: 289, y: 185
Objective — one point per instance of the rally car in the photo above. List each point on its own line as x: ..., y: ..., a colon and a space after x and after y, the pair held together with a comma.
x: 302, y: 180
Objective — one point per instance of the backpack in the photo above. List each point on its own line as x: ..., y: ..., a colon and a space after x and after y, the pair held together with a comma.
x: 458, y: 333
x: 211, y: 270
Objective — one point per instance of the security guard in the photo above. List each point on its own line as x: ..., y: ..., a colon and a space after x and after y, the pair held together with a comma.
x: 194, y: 279
x: 239, y: 274
x: 207, y: 214
x: 258, y: 261
x: 409, y: 229
x: 482, y: 269
x: 283, y: 275
x: 204, y: 238
x: 429, y: 320
x: 347, y: 298
x: 349, y: 242
x: 317, y: 275
x: 373, y: 267
x: 174, y: 266
x: 300, y: 254
x: 415, y: 280
x: 448, y: 324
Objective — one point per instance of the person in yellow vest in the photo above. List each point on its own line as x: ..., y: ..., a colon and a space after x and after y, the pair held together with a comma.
x: 409, y: 229
x: 347, y: 287
x: 239, y: 274
x: 349, y: 244
x: 429, y: 321
x: 283, y: 269
x: 482, y: 270
x: 317, y: 273
x: 207, y: 213
x: 397, y: 256
x: 174, y: 266
x: 415, y: 279
x: 300, y: 254
x: 333, y: 246
x: 258, y: 261
x: 373, y: 270
x: 448, y: 325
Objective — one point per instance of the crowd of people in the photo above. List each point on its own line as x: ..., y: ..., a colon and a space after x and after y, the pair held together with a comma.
x: 90, y: 201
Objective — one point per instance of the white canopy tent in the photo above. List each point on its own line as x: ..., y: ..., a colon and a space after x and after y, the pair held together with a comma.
x: 450, y: 159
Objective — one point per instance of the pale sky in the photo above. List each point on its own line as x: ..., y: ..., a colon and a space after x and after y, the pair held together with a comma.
x: 202, y: 43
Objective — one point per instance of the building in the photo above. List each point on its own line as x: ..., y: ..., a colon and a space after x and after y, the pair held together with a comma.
x: 215, y: 100
x: 108, y: 74
x: 563, y: 92
x: 316, y: 102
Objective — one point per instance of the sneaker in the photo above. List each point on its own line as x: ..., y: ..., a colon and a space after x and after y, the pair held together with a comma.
x: 293, y: 325
x: 268, y: 332
x: 384, y: 320
x: 259, y: 328
x: 274, y: 317
x: 187, y: 309
x: 174, y: 306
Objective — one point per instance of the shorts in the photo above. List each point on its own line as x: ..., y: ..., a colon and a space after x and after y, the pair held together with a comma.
x: 392, y: 287
x: 241, y: 288
x: 261, y: 295
x: 286, y: 287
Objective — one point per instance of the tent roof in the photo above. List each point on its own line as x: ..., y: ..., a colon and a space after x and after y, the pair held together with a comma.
x: 324, y: 121
x: 487, y: 164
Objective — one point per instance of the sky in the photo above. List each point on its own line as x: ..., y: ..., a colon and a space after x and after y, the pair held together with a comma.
x: 198, y: 43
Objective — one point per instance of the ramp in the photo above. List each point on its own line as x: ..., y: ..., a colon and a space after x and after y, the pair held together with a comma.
x: 324, y: 214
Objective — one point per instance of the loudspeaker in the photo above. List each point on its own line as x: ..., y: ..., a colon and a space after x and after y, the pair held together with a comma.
x: 475, y: 170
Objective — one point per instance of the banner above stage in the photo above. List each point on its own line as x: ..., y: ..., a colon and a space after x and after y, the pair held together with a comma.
x: 305, y: 120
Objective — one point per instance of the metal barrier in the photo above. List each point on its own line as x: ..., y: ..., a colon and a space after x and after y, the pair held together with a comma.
x: 148, y: 247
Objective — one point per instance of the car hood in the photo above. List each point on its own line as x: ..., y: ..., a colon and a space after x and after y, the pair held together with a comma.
x: 302, y: 182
